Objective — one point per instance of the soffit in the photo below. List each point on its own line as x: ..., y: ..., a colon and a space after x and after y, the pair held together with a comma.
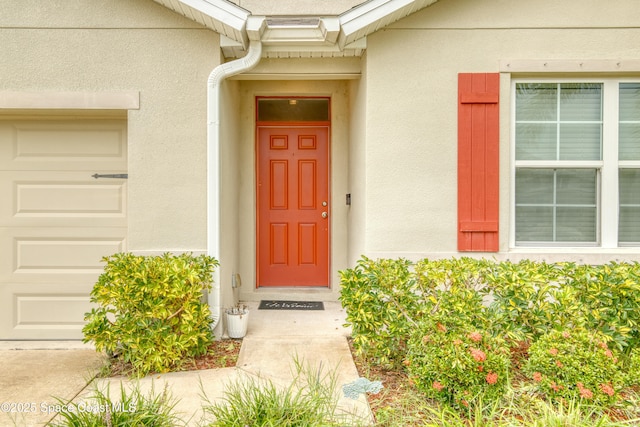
x: 291, y: 36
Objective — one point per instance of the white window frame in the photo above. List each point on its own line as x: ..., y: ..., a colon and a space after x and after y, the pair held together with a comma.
x: 607, y: 188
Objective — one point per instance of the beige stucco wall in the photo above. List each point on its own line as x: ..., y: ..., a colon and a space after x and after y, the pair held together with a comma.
x: 135, y: 46
x: 411, y: 117
x: 357, y: 212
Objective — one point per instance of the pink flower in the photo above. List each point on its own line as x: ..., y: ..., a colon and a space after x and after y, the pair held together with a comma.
x: 475, y: 336
x: 457, y: 342
x: 478, y: 355
x: 555, y: 387
x: 492, y: 378
x: 553, y: 351
x: 436, y: 385
x: 608, y: 353
x: 585, y: 393
x: 441, y: 327
x: 565, y: 335
x: 537, y: 377
x: 558, y: 364
x: 607, y: 389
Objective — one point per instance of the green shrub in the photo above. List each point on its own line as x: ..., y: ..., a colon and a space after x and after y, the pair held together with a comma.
x: 609, y: 298
x: 528, y: 299
x: 459, y: 365
x: 451, y: 290
x: 150, y: 311
x: 382, y: 303
x: 631, y: 368
x: 386, y: 299
x: 574, y: 364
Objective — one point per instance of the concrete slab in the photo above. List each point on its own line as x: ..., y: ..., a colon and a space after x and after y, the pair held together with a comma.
x: 328, y: 355
x: 30, y: 380
x: 275, y: 323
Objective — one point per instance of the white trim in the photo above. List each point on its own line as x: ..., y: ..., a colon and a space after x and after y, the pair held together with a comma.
x: 219, y: 15
x: 608, y: 167
x: 70, y: 100
x: 568, y: 66
x: 217, y: 76
x: 335, y: 34
x: 373, y: 15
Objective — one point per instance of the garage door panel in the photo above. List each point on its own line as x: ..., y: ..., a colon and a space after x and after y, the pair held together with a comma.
x: 63, y: 256
x: 52, y: 145
x: 71, y: 199
x: 44, y: 311
x: 57, y: 254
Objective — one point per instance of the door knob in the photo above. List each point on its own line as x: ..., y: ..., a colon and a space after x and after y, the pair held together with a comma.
x: 324, y: 214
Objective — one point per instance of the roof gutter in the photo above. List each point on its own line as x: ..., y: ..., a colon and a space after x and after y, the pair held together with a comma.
x: 217, y: 76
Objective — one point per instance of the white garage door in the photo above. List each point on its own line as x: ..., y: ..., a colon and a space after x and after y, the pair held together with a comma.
x: 57, y: 221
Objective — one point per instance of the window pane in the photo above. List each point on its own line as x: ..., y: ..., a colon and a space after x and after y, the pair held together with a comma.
x: 629, y: 223
x: 629, y: 127
x: 534, y: 224
x: 575, y: 133
x: 293, y: 110
x: 536, y: 141
x: 536, y: 102
x: 576, y: 187
x: 576, y: 224
x: 580, y: 102
x: 629, y: 101
x: 534, y: 186
x: 556, y: 205
x: 580, y: 141
x: 629, y: 141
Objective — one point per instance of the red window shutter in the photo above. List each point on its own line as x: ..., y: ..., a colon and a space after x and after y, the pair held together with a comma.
x: 478, y: 161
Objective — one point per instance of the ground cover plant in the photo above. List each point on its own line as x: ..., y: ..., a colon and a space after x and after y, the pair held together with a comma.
x: 483, y: 340
x: 151, y: 312
x: 129, y: 407
x: 310, y: 399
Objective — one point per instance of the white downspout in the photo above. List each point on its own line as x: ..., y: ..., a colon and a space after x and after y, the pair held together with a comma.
x: 217, y: 76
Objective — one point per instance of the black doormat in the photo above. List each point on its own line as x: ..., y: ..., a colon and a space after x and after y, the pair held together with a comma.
x: 290, y: 305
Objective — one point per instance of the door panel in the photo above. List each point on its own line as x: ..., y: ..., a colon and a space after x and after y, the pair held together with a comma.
x: 293, y: 184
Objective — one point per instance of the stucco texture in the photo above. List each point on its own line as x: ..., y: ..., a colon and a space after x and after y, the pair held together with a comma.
x: 411, y: 83
x: 123, y: 45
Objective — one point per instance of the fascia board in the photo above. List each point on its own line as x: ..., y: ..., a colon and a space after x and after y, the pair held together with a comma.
x: 375, y: 14
x: 221, y: 16
x: 223, y: 11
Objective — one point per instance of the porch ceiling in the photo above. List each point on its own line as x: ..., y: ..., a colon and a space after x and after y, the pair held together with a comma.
x: 292, y: 36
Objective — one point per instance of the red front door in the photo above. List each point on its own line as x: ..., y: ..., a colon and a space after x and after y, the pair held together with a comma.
x: 293, y: 206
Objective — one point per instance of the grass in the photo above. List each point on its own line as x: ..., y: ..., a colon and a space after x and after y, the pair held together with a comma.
x: 309, y: 400
x: 129, y: 408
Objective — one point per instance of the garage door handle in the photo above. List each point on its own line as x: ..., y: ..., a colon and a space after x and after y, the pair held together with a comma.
x: 111, y: 175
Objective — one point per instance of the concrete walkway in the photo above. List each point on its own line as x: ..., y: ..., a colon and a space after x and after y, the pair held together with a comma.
x: 31, y: 376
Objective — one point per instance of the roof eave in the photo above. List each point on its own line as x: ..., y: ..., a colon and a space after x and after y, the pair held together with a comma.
x: 292, y: 36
